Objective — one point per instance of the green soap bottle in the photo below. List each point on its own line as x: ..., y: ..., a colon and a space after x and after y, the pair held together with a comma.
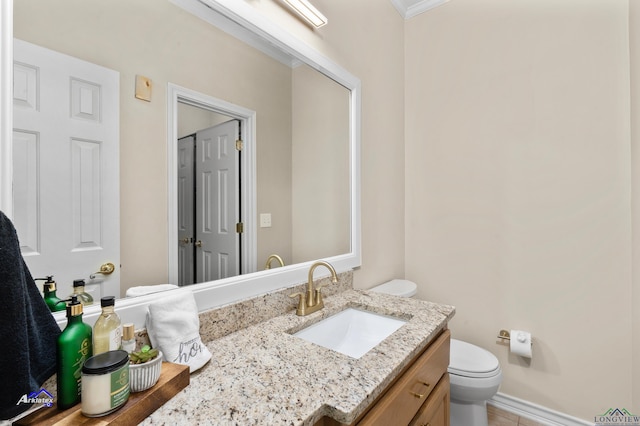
x: 74, y: 348
x: 54, y: 303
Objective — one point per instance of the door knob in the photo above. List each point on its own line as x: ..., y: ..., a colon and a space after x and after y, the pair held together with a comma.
x: 198, y: 243
x: 184, y: 241
x: 105, y: 269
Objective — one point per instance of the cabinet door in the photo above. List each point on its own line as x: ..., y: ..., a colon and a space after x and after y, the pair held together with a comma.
x: 435, y: 411
x: 399, y: 405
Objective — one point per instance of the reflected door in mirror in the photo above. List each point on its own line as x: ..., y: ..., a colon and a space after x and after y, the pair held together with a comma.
x: 66, y: 180
x: 209, y: 208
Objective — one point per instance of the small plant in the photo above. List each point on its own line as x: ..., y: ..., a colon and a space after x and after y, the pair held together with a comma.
x: 145, y: 354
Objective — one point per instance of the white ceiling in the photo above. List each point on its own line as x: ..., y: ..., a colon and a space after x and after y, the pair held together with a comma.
x: 411, y: 8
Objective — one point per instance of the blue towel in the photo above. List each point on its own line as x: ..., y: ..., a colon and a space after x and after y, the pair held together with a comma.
x: 28, y: 331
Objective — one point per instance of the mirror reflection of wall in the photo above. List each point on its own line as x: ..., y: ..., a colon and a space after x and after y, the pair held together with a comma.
x: 320, y: 159
x: 304, y: 190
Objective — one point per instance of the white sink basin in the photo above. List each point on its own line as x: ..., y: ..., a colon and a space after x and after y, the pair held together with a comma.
x: 352, y: 332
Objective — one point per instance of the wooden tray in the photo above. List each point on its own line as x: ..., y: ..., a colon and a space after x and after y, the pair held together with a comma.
x: 173, y: 379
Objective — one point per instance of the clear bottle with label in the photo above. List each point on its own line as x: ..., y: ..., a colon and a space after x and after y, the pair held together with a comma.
x: 128, y: 338
x: 73, y: 349
x: 54, y: 303
x: 78, y: 290
x: 107, y: 331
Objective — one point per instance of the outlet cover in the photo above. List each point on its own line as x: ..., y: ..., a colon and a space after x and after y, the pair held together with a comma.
x: 265, y: 220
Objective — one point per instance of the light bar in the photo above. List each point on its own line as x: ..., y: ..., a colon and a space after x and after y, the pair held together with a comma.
x: 308, y: 12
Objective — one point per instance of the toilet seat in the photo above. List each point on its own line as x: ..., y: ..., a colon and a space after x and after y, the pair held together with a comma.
x: 472, y: 361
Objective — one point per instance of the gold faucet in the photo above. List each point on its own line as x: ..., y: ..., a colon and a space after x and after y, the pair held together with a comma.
x: 272, y: 257
x: 313, y: 301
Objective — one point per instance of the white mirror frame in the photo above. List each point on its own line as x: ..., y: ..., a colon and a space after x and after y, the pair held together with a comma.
x: 217, y: 293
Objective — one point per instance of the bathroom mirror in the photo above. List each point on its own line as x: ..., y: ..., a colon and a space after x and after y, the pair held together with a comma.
x: 236, y: 17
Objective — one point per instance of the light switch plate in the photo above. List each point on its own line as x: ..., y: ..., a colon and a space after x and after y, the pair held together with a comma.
x: 143, y: 88
x: 265, y: 220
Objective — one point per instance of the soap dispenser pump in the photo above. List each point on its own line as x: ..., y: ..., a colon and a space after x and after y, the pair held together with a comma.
x: 54, y: 303
x: 74, y: 348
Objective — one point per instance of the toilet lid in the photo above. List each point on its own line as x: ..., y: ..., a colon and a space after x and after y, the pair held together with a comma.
x: 402, y: 288
x: 471, y: 361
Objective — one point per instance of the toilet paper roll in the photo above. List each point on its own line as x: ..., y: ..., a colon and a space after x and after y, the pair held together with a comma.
x: 520, y: 343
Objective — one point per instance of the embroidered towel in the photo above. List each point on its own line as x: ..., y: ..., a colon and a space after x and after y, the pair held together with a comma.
x: 174, y: 328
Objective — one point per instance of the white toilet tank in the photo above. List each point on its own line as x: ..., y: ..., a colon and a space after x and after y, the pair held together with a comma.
x: 401, y: 288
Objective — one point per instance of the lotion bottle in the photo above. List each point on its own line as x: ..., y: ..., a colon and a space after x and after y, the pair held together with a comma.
x: 107, y: 331
x: 128, y: 338
x: 54, y: 303
x: 78, y: 289
x: 74, y: 347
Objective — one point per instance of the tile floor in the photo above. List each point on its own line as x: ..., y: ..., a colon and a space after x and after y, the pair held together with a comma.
x: 498, y: 417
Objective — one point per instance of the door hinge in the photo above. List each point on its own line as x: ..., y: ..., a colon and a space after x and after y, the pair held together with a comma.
x: 239, y: 144
x: 239, y: 227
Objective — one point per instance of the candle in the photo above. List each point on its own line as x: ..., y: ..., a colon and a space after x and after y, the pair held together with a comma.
x: 105, y: 383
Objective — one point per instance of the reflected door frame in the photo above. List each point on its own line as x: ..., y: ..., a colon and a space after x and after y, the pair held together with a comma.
x: 186, y: 206
x: 177, y: 94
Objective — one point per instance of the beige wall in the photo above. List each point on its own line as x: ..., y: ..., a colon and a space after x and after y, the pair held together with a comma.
x: 518, y: 172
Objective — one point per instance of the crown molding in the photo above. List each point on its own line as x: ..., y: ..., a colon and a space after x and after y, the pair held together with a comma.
x: 410, y: 8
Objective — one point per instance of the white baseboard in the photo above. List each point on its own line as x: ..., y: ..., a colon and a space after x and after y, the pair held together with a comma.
x: 535, y: 412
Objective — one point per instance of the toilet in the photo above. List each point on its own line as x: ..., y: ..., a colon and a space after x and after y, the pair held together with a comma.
x: 474, y: 372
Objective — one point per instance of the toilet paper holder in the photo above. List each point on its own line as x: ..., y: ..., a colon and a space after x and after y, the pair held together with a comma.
x: 505, y: 335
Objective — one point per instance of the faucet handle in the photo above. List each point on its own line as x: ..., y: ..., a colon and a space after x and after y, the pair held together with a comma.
x: 301, y: 302
x: 319, y: 300
x: 319, y: 293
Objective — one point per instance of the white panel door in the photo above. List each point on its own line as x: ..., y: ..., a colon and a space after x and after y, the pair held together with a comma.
x: 66, y: 172
x: 217, y: 202
x: 186, y: 225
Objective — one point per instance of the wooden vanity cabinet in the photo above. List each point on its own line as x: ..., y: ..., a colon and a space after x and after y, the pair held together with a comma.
x: 435, y: 411
x: 418, y: 393
x: 419, y: 396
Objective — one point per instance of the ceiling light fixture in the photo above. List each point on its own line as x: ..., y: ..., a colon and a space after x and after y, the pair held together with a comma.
x: 308, y: 12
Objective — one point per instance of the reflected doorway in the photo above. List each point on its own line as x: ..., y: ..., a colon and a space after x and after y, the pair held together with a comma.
x: 190, y: 112
x: 209, y: 216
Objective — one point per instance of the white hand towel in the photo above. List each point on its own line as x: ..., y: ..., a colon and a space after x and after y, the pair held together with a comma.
x: 174, y: 328
x: 149, y: 289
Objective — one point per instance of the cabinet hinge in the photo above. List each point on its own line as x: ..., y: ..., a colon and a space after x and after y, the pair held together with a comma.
x: 239, y: 227
x: 239, y: 144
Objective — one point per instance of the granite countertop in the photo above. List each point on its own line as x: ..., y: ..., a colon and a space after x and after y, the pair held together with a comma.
x: 264, y: 375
